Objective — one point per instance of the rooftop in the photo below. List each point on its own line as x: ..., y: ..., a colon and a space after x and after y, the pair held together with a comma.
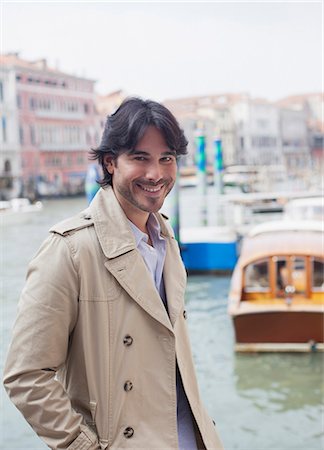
x: 39, y: 65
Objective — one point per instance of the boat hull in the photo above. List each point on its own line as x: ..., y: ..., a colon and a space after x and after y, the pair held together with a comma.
x: 279, y: 327
x: 207, y: 249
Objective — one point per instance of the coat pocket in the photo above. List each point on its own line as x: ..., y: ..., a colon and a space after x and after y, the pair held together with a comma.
x: 92, y: 423
x: 85, y: 441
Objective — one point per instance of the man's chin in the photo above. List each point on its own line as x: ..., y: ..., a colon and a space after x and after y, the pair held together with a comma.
x: 151, y: 208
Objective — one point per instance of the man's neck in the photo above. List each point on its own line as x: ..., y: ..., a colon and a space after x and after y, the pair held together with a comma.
x: 140, y: 221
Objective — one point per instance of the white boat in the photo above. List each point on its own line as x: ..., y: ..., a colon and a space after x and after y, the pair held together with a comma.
x: 307, y: 208
x: 18, y: 210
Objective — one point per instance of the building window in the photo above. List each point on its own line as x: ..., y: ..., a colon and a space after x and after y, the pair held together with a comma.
x: 18, y: 101
x: 32, y: 135
x: 318, y: 141
x: 80, y: 159
x: 32, y: 103
x: 7, y: 166
x: 4, y: 129
x: 86, y: 108
x: 1, y: 91
x: 21, y: 135
x: 69, y: 161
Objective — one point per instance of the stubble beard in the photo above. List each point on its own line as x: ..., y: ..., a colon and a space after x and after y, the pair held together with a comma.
x: 155, y: 203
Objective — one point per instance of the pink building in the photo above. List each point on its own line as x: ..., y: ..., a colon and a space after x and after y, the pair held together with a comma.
x: 57, y: 126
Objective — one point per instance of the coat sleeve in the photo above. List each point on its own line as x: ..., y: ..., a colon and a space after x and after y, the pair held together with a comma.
x: 47, y: 313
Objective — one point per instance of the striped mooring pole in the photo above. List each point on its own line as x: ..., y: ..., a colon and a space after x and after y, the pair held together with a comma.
x: 202, y: 176
x: 218, y: 166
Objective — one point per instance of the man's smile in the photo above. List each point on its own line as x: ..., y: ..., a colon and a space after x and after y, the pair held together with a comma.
x: 150, y: 189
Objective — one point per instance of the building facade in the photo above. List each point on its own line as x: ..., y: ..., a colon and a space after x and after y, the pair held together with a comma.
x: 310, y: 107
x: 212, y: 116
x: 283, y: 137
x: 248, y: 128
x: 56, y: 123
x: 10, y: 156
x: 295, y: 145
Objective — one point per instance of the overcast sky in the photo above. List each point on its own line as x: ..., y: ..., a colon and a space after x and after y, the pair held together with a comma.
x: 168, y: 50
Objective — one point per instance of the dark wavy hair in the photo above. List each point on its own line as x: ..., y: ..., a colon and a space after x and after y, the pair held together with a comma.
x: 127, y: 125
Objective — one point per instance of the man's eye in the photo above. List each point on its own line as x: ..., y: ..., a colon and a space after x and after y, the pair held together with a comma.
x: 140, y: 158
x: 167, y: 159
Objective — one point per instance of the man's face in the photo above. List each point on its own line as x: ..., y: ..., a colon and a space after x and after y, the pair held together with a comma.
x: 143, y: 178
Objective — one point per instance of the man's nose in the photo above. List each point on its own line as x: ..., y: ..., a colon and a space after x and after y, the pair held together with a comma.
x: 154, y: 172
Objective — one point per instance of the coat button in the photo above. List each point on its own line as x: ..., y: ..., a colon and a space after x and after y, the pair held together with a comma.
x: 128, y: 432
x: 128, y: 340
x: 128, y: 386
x: 185, y: 314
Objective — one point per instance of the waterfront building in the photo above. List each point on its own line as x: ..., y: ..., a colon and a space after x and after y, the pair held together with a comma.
x: 10, y: 160
x: 56, y: 123
x: 295, y: 145
x: 212, y: 116
x: 311, y: 106
x: 258, y: 139
x: 248, y: 128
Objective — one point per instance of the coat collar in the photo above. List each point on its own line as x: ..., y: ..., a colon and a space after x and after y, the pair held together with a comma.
x: 112, y: 226
x: 126, y: 264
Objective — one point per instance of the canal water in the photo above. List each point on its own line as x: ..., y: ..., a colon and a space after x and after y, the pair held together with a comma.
x: 259, y: 402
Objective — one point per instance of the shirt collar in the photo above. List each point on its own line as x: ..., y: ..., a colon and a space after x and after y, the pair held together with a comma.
x: 153, y: 226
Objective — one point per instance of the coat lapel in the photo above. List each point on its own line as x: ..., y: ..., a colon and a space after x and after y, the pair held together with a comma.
x: 175, y: 279
x: 124, y: 261
x: 132, y: 274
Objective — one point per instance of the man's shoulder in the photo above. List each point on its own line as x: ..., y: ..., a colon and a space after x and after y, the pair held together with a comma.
x: 74, y: 223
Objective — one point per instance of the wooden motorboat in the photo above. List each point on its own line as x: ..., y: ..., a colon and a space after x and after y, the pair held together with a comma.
x: 276, y: 298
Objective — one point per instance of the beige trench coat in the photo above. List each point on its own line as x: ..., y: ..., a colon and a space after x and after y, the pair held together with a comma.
x: 92, y: 363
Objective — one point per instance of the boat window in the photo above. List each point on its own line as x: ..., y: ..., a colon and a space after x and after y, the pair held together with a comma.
x: 318, y: 274
x: 282, y: 275
x: 257, y: 277
x: 298, y: 275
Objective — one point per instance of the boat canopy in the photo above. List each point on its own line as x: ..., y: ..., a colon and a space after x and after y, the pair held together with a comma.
x: 287, y: 243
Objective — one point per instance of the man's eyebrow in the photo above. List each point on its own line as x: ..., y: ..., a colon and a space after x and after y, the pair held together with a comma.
x: 144, y: 153
x: 134, y: 151
x: 170, y: 152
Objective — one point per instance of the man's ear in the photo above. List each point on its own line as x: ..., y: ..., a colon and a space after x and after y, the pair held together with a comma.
x: 109, y: 163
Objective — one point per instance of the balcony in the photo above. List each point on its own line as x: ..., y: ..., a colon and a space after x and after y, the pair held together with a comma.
x: 63, y: 147
x: 60, y: 115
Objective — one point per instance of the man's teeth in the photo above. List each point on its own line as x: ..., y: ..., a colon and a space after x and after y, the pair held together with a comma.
x: 151, y: 189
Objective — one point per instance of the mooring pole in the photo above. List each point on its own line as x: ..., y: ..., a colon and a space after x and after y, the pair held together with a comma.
x: 202, y: 176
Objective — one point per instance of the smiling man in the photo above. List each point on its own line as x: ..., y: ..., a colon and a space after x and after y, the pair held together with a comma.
x: 100, y: 355
x: 143, y: 176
